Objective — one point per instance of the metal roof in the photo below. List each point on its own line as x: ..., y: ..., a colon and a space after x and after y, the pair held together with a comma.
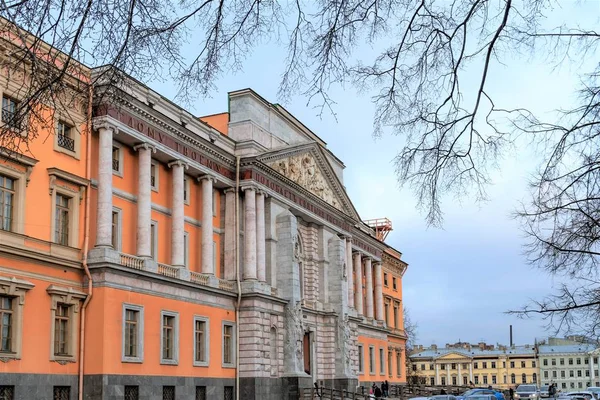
x: 570, y: 348
x: 475, y: 352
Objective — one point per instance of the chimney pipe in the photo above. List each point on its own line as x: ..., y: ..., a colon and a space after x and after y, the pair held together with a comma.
x: 511, y: 337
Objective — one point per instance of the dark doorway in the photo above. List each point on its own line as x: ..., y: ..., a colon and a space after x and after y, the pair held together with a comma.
x: 306, y: 352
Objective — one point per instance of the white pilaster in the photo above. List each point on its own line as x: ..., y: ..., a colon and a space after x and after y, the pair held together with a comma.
x: 177, y: 216
x: 471, y: 372
x: 144, y: 199
x: 261, y: 255
x: 592, y: 374
x: 358, y: 292
x: 379, y: 292
x: 459, y: 379
x: 448, y: 381
x: 437, y: 374
x: 229, y: 238
x: 208, y: 262
x: 349, y: 271
x: 369, y: 287
x: 104, y: 208
x: 250, y: 272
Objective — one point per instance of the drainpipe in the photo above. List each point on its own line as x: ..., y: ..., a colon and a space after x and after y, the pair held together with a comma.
x: 237, y: 278
x: 86, y: 240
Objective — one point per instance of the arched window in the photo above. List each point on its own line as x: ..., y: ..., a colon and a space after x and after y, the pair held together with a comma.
x: 513, y: 378
x: 273, y: 352
x: 523, y: 378
x: 534, y: 378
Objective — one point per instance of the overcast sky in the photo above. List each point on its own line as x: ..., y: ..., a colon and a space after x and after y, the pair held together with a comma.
x: 462, y: 278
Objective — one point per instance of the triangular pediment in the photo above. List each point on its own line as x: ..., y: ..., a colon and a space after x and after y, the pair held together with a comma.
x: 453, y: 355
x: 307, y: 166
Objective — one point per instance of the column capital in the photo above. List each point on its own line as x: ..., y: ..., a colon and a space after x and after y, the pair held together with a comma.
x: 179, y: 163
x: 207, y: 176
x: 145, y: 146
x: 345, y: 237
x: 248, y: 187
x: 229, y: 190
x: 262, y: 192
x: 367, y: 258
x: 105, y: 124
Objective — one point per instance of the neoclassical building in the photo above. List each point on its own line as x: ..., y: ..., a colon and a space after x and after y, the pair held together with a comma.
x: 570, y: 364
x: 153, y: 254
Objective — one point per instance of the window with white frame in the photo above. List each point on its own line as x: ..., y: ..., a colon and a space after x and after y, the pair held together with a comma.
x: 186, y: 249
x: 361, y: 356
x: 133, y: 333
x: 154, y: 176
x: 7, y: 202
x: 169, y: 337
x: 215, y: 202
x: 228, y: 344
x: 390, y: 362
x: 65, y: 320
x: 117, y: 159
x: 381, y: 362
x: 154, y: 240
x: 65, y: 136
x: 10, y: 115
x: 398, y: 364
x: 201, y: 341
x: 12, y: 301
x: 371, y: 360
x: 62, y: 219
x: 186, y: 190
x: 116, y: 229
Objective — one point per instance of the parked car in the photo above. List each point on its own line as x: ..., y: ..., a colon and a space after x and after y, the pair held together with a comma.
x: 527, y: 392
x: 589, y: 395
x: 481, y: 391
x: 444, y: 397
x: 481, y: 397
x: 544, y: 391
x: 595, y: 390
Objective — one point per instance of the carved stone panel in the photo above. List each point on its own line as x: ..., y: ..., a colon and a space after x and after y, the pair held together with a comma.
x: 303, y: 170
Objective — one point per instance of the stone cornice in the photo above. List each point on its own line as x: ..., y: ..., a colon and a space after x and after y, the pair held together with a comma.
x: 393, y: 265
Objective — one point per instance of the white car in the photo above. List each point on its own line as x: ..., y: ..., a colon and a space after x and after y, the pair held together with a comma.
x: 589, y: 395
x: 595, y: 390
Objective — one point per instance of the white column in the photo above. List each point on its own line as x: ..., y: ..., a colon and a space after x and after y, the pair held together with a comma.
x: 229, y: 238
x: 591, y: 363
x: 104, y: 208
x: 459, y: 379
x: 379, y: 292
x: 471, y: 372
x: 358, y: 292
x: 144, y: 199
x: 448, y: 381
x: 437, y: 374
x: 177, y: 217
x: 349, y: 271
x: 208, y: 262
x: 261, y: 255
x: 369, y: 287
x: 250, y: 272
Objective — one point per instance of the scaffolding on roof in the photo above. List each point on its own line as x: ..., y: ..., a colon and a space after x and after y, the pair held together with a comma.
x: 382, y: 227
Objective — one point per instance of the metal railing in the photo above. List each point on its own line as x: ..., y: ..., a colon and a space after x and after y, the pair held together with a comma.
x: 130, y: 261
x: 115, y: 165
x: 66, y: 142
x: 168, y: 270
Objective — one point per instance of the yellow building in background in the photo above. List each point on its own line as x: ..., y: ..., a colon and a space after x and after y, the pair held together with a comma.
x: 461, y: 364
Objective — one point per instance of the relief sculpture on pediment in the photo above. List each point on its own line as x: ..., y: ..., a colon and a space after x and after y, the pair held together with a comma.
x: 303, y: 170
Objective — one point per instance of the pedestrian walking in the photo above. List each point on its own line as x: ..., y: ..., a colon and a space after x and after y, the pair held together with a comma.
x: 317, y: 390
x: 471, y: 384
x: 377, y: 393
x: 385, y: 387
x: 552, y: 390
x: 511, y: 393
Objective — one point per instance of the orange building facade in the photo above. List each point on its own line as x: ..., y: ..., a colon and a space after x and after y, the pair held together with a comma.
x: 147, y: 253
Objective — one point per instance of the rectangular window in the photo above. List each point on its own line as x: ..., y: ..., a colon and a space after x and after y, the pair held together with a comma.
x: 562, y: 374
x: 570, y: 361
x: 132, y: 393
x: 554, y: 361
x: 545, y: 374
x: 476, y: 380
x: 393, y: 283
x: 578, y: 361
x: 168, y: 393
x: 186, y: 249
x: 7, y: 392
x: 215, y: 202
x: 503, y: 364
x: 228, y: 344
x: 228, y: 393
x: 432, y: 381
x: 6, y: 321
x: 563, y: 385
x: 116, y: 230
x: 475, y: 365
x: 493, y: 364
x: 587, y: 373
x: 371, y: 360
x: 116, y: 159
x: 571, y: 374
x: 422, y: 367
x: 7, y: 196
x: 579, y: 373
x: 62, y: 393
x: 381, y: 362
x: 444, y: 380
x: 522, y: 364
x: 513, y: 378
x: 453, y: 381
x: 61, y: 225
x: 386, y: 312
x: 390, y: 363
x: 494, y: 379
x: 586, y: 361
x: 504, y: 380
x: 201, y: 341
x: 360, y: 359
x: 169, y: 337
x: 186, y: 190
x: 453, y: 366
x: 546, y: 361
x: 64, y: 136
x: 154, y: 240
x: 561, y: 361
x: 201, y: 393
x: 133, y: 333
x: 485, y: 380
x: 154, y: 176
x: 484, y: 365
x: 512, y: 364
x: 9, y: 112
x: 62, y: 330
x: 385, y: 279
x: 443, y: 367
x: 533, y: 364
x: 396, y: 315
x: 554, y: 374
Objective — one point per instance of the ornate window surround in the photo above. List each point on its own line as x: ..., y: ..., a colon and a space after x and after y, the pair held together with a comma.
x: 17, y: 289
x: 71, y: 298
x: 75, y: 196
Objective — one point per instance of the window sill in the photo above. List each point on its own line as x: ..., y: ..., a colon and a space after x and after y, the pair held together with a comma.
x: 117, y: 173
x: 74, y: 154
x: 169, y: 362
x: 200, y: 363
x: 132, y: 360
x: 62, y: 360
x: 228, y: 365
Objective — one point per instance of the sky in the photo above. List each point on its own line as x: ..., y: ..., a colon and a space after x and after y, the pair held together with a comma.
x: 462, y: 278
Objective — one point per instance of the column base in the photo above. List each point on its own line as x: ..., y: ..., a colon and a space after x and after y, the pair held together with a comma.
x: 256, y: 287
x: 102, y: 254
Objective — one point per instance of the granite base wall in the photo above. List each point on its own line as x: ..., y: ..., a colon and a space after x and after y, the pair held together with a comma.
x: 38, y: 386
x: 112, y: 387
x: 286, y: 388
